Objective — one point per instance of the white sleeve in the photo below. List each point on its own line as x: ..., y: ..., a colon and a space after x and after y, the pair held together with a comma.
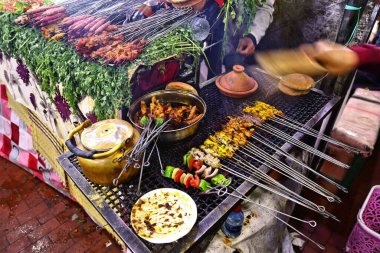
x: 262, y: 20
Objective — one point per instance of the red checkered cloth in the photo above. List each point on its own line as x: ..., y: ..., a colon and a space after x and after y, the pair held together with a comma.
x: 16, y: 145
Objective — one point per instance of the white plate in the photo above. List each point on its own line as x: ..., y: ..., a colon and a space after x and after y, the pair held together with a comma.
x: 187, y: 208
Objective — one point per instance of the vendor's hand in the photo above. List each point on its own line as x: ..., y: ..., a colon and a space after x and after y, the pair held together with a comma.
x: 336, y: 58
x: 246, y: 47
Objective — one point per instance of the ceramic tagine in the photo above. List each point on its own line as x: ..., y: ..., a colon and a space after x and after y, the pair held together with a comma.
x: 236, y: 83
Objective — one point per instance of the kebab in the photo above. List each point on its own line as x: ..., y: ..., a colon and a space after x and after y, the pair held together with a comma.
x: 219, y: 184
x: 266, y: 112
x: 216, y: 145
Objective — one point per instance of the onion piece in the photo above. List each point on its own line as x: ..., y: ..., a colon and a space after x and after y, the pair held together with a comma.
x: 201, y: 170
x: 213, y: 174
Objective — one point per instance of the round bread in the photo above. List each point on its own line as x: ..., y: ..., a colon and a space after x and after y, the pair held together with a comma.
x: 299, y: 82
x: 181, y: 86
x: 291, y: 92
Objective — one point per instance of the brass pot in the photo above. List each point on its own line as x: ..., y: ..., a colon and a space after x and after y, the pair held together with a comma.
x: 102, y: 149
x: 171, y: 96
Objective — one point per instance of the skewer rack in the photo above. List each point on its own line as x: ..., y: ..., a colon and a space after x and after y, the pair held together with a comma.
x: 115, y: 203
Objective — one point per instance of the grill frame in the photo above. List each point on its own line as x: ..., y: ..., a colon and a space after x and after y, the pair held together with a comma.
x: 208, y: 223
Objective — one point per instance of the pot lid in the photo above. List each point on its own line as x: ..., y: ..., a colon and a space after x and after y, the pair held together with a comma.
x: 237, y: 80
x: 106, y: 134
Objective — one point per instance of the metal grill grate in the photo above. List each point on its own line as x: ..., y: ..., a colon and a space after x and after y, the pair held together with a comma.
x: 121, y: 199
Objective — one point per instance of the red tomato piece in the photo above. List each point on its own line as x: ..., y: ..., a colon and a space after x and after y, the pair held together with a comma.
x: 195, y: 182
x: 178, y: 176
x: 188, y: 180
x: 191, y: 163
x: 198, y: 164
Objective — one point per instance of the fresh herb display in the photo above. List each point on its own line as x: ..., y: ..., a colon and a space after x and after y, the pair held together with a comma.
x: 56, y: 63
x: 241, y: 11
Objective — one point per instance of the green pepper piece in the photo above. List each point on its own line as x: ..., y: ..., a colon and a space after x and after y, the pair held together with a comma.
x: 185, y: 159
x: 204, y: 185
x: 227, y: 182
x: 169, y: 171
x: 159, y: 121
x: 144, y: 120
x: 218, y: 179
x: 188, y: 160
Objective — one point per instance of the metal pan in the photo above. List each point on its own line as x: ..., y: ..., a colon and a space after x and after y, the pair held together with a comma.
x: 171, y: 96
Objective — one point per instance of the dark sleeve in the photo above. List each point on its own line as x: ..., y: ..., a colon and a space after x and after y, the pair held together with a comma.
x: 252, y: 37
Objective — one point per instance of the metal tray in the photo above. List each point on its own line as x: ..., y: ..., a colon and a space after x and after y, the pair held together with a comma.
x: 117, y: 202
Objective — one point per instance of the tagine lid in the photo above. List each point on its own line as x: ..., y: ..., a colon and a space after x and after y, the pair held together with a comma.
x: 236, y: 83
x: 106, y: 134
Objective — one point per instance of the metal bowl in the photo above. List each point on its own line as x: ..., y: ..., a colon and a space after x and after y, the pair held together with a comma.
x: 171, y: 96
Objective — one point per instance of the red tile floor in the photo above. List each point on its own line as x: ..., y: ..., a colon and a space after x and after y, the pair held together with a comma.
x: 36, y: 218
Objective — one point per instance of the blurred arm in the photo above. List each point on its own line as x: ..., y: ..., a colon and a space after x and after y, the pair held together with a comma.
x: 262, y: 20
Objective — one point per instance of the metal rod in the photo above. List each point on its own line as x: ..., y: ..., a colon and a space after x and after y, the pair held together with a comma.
x: 271, y: 145
x: 138, y: 193
x: 314, y: 134
x: 290, y: 173
x: 305, y: 203
x: 290, y: 139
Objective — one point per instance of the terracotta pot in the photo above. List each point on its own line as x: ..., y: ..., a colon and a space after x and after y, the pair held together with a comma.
x: 236, y: 83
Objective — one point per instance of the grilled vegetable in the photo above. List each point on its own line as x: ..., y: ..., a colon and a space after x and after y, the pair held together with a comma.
x: 201, y: 170
x: 219, y: 179
x: 198, y: 164
x: 185, y: 159
x: 169, y: 171
x: 188, y: 179
x: 159, y: 121
x: 195, y: 182
x: 144, y: 120
x: 177, y: 176
x: 211, y: 175
x: 204, y: 185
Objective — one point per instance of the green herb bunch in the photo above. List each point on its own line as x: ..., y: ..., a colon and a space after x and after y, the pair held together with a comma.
x: 240, y: 11
x: 55, y: 62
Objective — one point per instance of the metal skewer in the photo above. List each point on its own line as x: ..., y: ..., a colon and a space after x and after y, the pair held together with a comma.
x: 223, y: 190
x: 314, y: 134
x: 271, y: 145
x: 146, y: 137
x: 312, y: 223
x: 290, y: 173
x: 287, y: 194
x: 274, y: 131
x: 277, y: 186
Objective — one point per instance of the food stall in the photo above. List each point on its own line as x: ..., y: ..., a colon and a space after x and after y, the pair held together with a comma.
x: 61, y: 73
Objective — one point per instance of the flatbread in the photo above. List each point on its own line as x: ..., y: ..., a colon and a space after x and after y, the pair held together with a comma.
x: 299, y: 82
x: 163, y: 215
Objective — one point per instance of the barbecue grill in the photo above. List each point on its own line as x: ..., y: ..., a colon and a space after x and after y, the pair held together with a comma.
x: 117, y: 202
